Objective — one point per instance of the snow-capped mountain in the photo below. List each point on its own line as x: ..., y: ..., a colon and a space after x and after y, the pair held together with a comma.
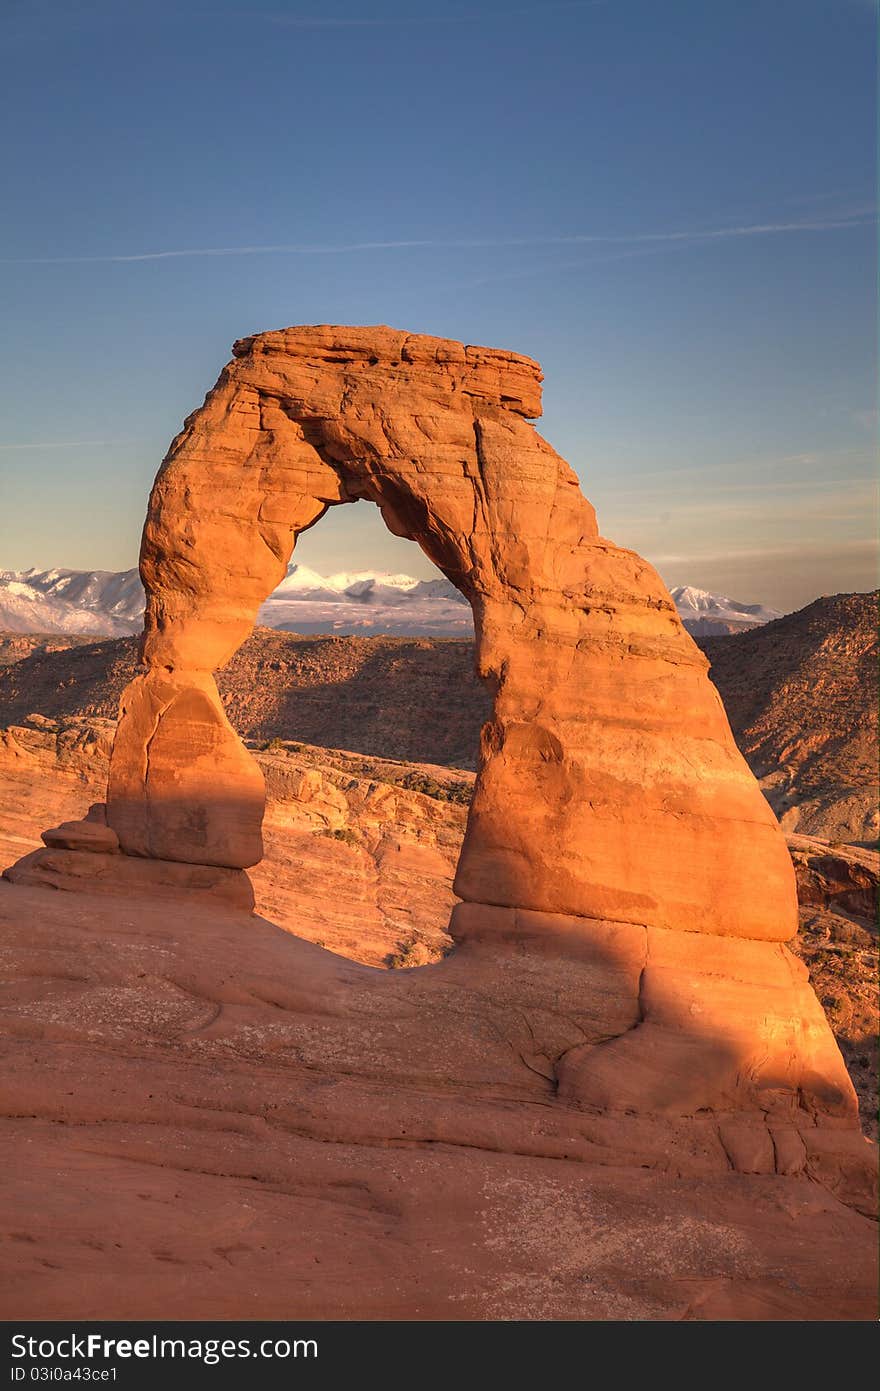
x: 360, y: 586
x: 111, y: 604
x: 106, y: 602
x: 365, y: 602
x: 712, y: 615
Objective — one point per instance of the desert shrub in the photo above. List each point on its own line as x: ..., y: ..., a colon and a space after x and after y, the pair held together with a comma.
x: 343, y: 833
x: 459, y: 792
x: 404, y: 957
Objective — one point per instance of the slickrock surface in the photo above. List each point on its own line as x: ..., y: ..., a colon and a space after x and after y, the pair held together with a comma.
x: 385, y: 835
x: 205, y: 1117
x: 553, y: 1222
x: 801, y: 694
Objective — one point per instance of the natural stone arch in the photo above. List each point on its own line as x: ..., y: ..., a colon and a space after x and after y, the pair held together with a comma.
x: 626, y: 891
x: 609, y: 785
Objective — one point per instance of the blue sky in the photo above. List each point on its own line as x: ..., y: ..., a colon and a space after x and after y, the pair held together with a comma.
x: 671, y: 204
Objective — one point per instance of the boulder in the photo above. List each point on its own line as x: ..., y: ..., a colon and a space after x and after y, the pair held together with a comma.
x: 82, y: 835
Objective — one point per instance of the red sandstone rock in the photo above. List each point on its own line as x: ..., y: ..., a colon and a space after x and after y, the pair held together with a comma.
x: 607, y: 748
x: 82, y: 835
x: 91, y: 871
x: 846, y: 877
x: 196, y: 1106
x: 609, y: 787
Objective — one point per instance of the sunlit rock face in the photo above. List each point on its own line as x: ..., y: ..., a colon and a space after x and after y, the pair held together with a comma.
x: 609, y: 784
x: 613, y: 822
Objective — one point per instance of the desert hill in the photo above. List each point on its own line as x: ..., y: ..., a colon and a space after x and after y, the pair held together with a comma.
x: 15, y: 646
x: 411, y: 698
x: 801, y: 697
x: 800, y: 693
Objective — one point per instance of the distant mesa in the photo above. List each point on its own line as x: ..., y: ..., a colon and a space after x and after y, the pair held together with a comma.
x: 111, y: 604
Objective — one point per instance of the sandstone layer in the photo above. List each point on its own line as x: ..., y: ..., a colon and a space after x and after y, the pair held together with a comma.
x: 204, y: 1117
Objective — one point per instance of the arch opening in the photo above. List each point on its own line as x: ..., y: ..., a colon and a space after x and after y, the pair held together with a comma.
x: 370, y: 729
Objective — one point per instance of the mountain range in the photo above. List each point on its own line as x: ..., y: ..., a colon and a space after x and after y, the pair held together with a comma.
x: 361, y: 603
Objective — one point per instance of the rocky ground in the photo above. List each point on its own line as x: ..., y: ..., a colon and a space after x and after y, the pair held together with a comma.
x: 250, y: 1127
x: 386, y: 834
x: 801, y: 697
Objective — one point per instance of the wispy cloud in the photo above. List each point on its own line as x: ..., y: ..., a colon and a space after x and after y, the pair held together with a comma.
x: 865, y: 488
x: 801, y: 548
x: 680, y: 236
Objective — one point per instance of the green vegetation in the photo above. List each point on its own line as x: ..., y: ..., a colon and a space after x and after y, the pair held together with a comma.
x: 459, y: 792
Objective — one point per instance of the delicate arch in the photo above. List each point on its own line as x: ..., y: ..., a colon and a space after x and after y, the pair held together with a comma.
x: 609, y: 785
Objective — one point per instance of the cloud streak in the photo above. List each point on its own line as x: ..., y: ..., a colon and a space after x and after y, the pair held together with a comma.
x: 646, y: 239
x: 797, y: 549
